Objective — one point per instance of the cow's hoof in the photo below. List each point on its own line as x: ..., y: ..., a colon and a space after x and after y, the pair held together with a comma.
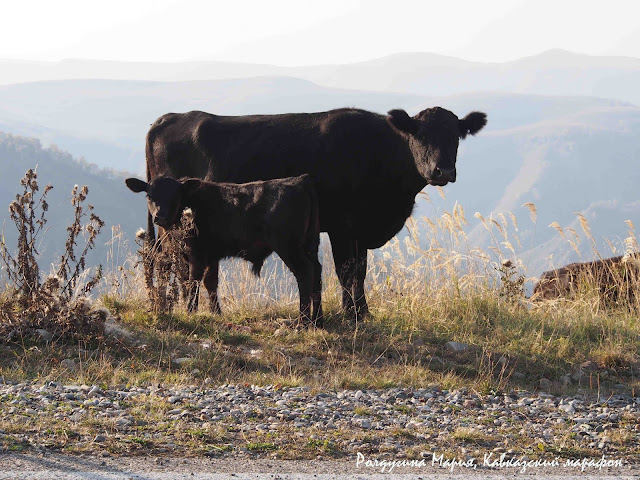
x: 357, y: 314
x: 214, y: 308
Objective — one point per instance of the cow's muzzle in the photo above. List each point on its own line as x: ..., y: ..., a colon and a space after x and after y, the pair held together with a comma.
x: 441, y: 177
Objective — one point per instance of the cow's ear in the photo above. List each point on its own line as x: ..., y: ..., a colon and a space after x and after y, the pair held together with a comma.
x: 472, y: 123
x: 136, y: 185
x: 189, y: 186
x: 401, y: 121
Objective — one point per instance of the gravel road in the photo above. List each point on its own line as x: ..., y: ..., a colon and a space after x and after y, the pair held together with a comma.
x: 61, y: 467
x: 236, y: 428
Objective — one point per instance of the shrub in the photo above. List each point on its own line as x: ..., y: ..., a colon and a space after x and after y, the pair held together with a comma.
x: 165, y: 265
x: 59, y: 304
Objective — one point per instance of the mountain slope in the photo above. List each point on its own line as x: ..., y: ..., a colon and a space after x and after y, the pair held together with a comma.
x: 584, y: 163
x: 107, y: 193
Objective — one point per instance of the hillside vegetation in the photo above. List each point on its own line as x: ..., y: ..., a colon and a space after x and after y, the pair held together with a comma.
x: 58, y: 168
x: 450, y: 333
x: 455, y: 356
x: 552, y: 179
x: 425, y: 292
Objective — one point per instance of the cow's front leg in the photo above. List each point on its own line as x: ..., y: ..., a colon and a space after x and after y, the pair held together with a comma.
x: 351, y: 267
x: 211, y: 284
x: 343, y: 258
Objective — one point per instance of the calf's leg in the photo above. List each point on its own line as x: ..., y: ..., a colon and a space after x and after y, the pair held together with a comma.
x: 302, y: 268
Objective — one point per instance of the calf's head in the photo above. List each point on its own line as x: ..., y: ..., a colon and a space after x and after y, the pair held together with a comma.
x: 165, y: 196
x: 433, y: 136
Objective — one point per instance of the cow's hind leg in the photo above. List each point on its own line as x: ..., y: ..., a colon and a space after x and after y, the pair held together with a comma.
x: 211, y: 284
x: 316, y: 294
x: 311, y: 251
x: 150, y: 247
x: 196, y: 272
x: 362, y: 309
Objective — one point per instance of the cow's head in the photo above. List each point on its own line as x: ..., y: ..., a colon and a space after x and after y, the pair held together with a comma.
x: 433, y: 136
x: 166, y: 197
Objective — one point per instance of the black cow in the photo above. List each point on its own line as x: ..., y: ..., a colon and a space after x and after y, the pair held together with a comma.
x: 251, y: 221
x: 368, y: 167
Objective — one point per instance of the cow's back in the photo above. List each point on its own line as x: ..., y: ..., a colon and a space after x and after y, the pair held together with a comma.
x: 352, y: 154
x: 170, y: 150
x: 253, y: 219
x: 285, y: 205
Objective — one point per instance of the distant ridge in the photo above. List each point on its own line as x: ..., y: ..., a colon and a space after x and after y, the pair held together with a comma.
x: 552, y: 72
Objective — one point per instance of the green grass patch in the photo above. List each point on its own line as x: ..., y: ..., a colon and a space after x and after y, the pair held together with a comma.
x: 261, y: 446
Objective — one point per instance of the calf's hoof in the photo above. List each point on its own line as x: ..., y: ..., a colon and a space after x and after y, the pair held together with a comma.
x: 318, y: 321
x: 306, y: 322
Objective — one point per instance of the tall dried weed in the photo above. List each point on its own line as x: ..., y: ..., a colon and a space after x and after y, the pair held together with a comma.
x: 57, y: 305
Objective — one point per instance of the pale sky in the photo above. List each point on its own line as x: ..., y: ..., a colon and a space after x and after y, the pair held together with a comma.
x: 298, y: 32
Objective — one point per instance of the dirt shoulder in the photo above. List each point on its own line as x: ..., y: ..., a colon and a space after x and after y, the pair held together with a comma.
x: 67, y: 467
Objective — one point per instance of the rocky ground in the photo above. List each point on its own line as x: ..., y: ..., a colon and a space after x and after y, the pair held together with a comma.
x: 236, y: 421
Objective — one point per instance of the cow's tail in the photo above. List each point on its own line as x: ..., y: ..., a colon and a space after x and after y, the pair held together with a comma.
x: 312, y: 236
x: 150, y: 238
x: 151, y: 232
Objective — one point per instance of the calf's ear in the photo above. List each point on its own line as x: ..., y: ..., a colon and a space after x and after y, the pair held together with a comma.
x: 189, y: 185
x: 472, y: 123
x: 401, y: 121
x: 136, y: 185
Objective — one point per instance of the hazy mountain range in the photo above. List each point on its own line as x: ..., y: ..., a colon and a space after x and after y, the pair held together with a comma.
x: 563, y: 131
x: 554, y: 72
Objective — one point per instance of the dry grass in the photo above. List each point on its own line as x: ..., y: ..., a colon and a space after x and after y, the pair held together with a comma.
x: 428, y: 288
x: 472, y: 435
